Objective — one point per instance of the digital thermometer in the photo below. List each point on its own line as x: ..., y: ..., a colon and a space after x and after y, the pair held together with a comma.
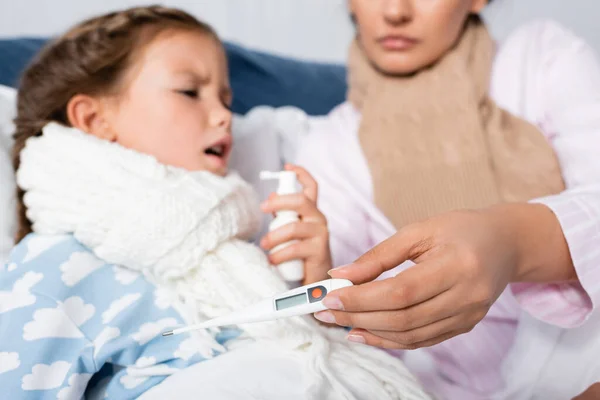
x: 299, y: 301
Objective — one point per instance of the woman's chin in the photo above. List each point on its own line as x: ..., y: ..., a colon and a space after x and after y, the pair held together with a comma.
x: 399, y: 63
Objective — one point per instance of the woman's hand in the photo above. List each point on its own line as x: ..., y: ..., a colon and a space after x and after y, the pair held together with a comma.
x: 464, y: 261
x: 311, y: 231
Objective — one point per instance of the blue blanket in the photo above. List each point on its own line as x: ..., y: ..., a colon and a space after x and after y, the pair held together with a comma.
x: 71, y: 323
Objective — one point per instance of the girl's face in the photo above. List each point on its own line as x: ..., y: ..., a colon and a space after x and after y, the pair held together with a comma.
x: 401, y: 37
x: 175, y: 104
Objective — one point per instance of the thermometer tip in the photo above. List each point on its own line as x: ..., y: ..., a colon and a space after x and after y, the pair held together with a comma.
x: 169, y: 333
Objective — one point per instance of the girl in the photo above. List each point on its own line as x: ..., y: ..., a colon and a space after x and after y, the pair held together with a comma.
x: 439, y: 119
x: 122, y: 141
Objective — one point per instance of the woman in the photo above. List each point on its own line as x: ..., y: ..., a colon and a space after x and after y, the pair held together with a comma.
x: 484, y: 160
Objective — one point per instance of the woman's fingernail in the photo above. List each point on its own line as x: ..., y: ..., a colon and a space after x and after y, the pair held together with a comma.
x: 356, y: 339
x: 342, y: 269
x: 333, y: 303
x: 325, y: 316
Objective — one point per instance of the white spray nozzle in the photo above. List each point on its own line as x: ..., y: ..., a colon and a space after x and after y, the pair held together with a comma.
x: 287, y: 180
x: 264, y: 175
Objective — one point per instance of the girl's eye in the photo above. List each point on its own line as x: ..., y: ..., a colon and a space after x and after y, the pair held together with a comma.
x: 192, y: 93
x: 227, y: 105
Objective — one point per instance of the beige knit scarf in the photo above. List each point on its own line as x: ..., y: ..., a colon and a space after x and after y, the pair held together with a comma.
x: 436, y: 142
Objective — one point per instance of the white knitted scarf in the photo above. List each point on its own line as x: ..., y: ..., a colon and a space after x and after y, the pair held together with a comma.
x: 185, y: 231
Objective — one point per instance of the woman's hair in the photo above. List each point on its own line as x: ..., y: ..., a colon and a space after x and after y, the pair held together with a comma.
x: 92, y: 58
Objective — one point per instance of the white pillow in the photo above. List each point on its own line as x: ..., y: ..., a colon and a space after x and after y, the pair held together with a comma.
x: 8, y: 98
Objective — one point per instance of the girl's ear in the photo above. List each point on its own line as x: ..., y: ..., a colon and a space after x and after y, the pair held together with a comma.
x: 478, y: 5
x: 352, y: 12
x: 86, y: 113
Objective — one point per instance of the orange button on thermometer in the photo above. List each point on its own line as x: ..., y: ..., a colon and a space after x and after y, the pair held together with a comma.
x: 316, y: 293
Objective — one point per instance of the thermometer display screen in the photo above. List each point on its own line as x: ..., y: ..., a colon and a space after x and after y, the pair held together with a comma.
x: 291, y: 301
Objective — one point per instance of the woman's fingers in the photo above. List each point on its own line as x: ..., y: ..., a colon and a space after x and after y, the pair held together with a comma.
x: 410, y: 287
x: 425, y: 333
x: 406, y: 244
x: 371, y: 339
x: 439, y: 308
x: 311, y: 189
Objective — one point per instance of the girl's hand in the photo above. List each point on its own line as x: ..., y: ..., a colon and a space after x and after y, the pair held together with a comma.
x: 311, y: 231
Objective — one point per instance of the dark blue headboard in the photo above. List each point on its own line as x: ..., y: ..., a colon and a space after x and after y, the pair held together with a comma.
x: 257, y: 78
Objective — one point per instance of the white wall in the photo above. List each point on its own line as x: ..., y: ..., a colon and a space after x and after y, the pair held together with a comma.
x: 309, y: 29
x: 581, y: 16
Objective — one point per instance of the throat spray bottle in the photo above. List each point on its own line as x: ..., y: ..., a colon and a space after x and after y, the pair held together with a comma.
x: 292, y: 271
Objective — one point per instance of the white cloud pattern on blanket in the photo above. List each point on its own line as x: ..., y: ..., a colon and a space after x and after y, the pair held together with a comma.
x: 144, y: 362
x: 144, y: 369
x: 76, y: 388
x: 60, y: 322
x: 163, y: 298
x: 39, y: 244
x: 130, y: 382
x: 77, y: 310
x: 45, y: 377
x: 191, y: 346
x: 79, y: 265
x: 150, y: 330
x: 125, y: 276
x: 20, y: 295
x: 117, y: 306
x: 109, y: 333
x: 9, y: 361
